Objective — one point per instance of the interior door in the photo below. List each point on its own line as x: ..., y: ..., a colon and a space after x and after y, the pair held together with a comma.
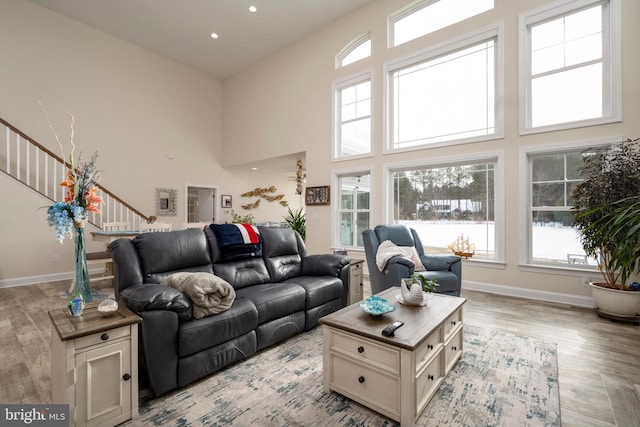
x: 201, y: 203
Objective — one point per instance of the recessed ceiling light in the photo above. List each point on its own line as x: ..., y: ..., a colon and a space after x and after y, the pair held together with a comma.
x: 254, y: 169
x: 214, y: 35
x: 253, y: 9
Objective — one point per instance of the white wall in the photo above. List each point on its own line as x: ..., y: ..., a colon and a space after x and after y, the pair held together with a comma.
x: 287, y: 99
x: 135, y: 107
x: 132, y: 106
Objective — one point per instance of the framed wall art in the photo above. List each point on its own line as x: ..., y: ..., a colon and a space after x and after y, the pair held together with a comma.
x: 166, y: 201
x: 226, y: 201
x: 317, y: 195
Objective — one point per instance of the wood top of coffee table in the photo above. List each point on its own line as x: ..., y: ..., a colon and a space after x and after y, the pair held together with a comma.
x: 419, y: 322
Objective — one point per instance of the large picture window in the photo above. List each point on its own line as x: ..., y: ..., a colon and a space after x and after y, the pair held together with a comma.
x: 441, y: 203
x: 553, y: 237
x: 571, y: 58
x: 449, y: 95
x: 354, y: 208
x: 353, y: 118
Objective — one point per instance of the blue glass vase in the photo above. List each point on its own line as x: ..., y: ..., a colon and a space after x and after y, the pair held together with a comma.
x: 82, y: 285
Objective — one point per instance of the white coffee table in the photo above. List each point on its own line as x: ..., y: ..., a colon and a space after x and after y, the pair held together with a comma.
x: 395, y: 376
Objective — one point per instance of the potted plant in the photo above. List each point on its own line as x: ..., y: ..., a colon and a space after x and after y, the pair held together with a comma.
x: 604, y: 214
x: 297, y: 221
x: 428, y: 284
x: 412, y: 289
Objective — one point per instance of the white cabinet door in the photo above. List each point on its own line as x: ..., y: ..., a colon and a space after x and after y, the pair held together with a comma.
x: 103, y: 388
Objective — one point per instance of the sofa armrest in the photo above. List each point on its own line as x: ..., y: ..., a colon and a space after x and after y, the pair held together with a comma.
x: 153, y: 296
x: 159, y: 349
x: 399, y: 260
x: 324, y: 265
x: 439, y: 262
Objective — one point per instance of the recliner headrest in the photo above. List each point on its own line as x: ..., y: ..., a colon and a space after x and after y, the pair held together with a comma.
x: 400, y: 235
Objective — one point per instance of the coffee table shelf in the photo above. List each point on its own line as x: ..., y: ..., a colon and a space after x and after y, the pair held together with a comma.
x: 395, y: 376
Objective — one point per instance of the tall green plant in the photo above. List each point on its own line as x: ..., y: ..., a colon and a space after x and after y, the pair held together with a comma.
x: 297, y: 221
x: 612, y: 179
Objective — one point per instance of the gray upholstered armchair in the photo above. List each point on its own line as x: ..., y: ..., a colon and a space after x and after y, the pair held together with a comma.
x: 445, y: 269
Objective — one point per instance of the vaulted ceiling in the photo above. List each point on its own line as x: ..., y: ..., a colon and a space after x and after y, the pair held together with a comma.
x: 181, y: 29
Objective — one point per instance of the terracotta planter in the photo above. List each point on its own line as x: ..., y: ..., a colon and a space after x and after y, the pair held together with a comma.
x: 612, y: 303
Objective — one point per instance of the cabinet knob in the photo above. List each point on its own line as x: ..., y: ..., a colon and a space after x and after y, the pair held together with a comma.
x: 430, y: 346
x: 104, y: 337
x: 126, y: 377
x: 430, y: 377
x: 360, y: 349
x: 453, y: 322
x: 361, y: 380
x: 454, y: 348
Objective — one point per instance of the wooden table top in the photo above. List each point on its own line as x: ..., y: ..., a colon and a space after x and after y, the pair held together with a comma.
x: 90, y: 322
x: 419, y: 322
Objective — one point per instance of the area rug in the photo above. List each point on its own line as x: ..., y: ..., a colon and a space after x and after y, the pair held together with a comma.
x: 501, y: 380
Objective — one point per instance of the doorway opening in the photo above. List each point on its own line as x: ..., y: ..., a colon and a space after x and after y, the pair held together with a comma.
x: 201, y: 203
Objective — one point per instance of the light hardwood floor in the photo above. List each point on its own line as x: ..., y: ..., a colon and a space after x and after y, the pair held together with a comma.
x: 598, y: 360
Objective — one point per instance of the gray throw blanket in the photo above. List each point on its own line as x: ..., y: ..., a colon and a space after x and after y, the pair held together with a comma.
x: 209, y: 294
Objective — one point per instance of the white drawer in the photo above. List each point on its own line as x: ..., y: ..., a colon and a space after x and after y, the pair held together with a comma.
x: 453, y: 350
x: 367, y: 384
x: 366, y: 351
x: 427, y: 382
x: 102, y: 337
x: 452, y: 323
x: 428, y: 349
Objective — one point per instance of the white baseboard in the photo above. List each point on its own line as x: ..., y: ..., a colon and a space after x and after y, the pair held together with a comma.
x: 33, y: 280
x: 534, y: 294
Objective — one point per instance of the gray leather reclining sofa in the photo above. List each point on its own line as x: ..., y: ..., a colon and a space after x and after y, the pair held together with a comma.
x: 280, y: 293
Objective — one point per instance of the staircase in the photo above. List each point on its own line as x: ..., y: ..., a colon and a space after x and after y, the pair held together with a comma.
x: 28, y: 162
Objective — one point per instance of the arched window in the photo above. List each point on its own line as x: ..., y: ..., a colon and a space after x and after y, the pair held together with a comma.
x: 356, y: 50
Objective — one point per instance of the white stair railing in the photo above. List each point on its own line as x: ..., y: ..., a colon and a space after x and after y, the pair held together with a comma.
x: 35, y: 166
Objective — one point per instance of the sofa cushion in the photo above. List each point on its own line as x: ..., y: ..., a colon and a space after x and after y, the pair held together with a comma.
x: 201, y: 334
x: 184, y: 250
x: 282, y: 251
x: 274, y: 300
x: 319, y: 289
x: 245, y: 272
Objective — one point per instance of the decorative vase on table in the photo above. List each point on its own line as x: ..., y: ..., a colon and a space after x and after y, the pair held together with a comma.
x: 82, y: 286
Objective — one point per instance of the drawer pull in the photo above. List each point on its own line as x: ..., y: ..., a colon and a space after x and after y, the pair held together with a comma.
x: 454, y: 348
x: 104, y: 337
x: 453, y: 323
x: 430, y: 346
x: 126, y: 377
x: 360, y: 349
x: 430, y: 377
x: 361, y: 380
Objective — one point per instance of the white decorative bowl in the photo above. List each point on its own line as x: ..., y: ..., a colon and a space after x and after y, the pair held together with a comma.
x: 108, y: 307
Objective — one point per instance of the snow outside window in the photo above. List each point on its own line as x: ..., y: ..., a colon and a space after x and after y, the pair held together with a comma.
x: 441, y: 203
x: 554, y: 240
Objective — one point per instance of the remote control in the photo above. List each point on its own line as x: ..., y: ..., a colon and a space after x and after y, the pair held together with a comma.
x: 390, y: 330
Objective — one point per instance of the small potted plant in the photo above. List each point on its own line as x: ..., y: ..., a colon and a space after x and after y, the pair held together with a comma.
x: 428, y: 284
x: 607, y: 216
x: 297, y: 221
